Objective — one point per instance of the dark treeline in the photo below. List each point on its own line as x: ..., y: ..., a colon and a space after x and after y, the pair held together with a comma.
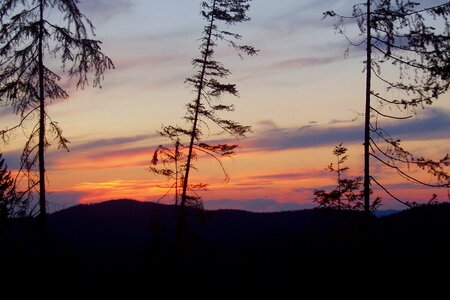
x: 111, y: 242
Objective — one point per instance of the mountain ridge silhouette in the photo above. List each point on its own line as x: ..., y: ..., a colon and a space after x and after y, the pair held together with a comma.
x: 128, y: 239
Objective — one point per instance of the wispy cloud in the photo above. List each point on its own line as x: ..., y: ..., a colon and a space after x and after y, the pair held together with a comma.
x: 98, y: 160
x: 311, y: 136
x: 267, y: 124
x: 113, y: 142
x: 290, y: 65
x: 108, y: 153
x: 306, y: 15
x: 105, y: 9
x: 129, y: 153
x: 304, y: 62
x: 432, y: 124
x: 288, y: 176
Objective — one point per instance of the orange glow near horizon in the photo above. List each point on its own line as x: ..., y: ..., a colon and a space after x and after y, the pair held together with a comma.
x: 285, y: 176
x: 119, y: 189
x: 276, y: 180
x: 94, y: 192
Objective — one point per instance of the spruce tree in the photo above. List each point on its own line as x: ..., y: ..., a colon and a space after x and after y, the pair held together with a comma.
x: 32, y: 45
x: 11, y: 204
x: 209, y: 101
x: 347, y: 195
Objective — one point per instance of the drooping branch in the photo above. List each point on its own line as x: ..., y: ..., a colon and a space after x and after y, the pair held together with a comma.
x: 390, y: 194
x: 409, y: 177
x: 398, y: 35
x: 389, y: 116
x: 28, y: 83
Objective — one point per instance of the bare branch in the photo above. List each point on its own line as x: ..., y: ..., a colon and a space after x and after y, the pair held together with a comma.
x: 390, y: 194
x: 389, y: 116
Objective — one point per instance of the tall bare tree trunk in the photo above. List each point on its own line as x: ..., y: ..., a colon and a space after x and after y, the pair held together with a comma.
x: 41, y: 150
x: 367, y: 113
x: 177, y: 151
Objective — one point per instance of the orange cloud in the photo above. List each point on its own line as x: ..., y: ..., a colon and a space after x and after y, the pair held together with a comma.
x: 124, y: 158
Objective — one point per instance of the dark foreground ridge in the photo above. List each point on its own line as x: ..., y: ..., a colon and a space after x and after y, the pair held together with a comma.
x: 129, y: 240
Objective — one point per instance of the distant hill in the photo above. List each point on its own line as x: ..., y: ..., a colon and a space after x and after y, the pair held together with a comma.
x: 387, y: 212
x: 125, y: 238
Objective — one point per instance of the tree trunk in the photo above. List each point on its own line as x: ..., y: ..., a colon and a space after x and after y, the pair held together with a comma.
x: 197, y: 107
x: 367, y: 113
x: 339, y: 183
x: 182, y: 207
x: 42, y: 141
x: 177, y: 155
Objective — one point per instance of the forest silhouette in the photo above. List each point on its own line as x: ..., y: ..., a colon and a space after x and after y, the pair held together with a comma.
x: 124, y: 239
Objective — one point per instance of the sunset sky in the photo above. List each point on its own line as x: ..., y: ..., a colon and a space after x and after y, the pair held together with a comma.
x: 301, y: 95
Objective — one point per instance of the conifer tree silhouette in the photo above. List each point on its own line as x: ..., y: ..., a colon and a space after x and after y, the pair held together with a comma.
x: 406, y: 36
x: 348, y: 194
x: 207, y: 104
x: 31, y: 44
x: 11, y: 203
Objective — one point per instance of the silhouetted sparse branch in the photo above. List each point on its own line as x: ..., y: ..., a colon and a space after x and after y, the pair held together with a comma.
x: 398, y: 34
x: 390, y: 194
x: 408, y: 177
x: 390, y: 116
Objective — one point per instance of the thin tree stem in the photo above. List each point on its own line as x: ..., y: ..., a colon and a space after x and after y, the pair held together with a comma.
x: 339, y: 180
x: 177, y: 155
x: 367, y: 113
x: 41, y: 154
